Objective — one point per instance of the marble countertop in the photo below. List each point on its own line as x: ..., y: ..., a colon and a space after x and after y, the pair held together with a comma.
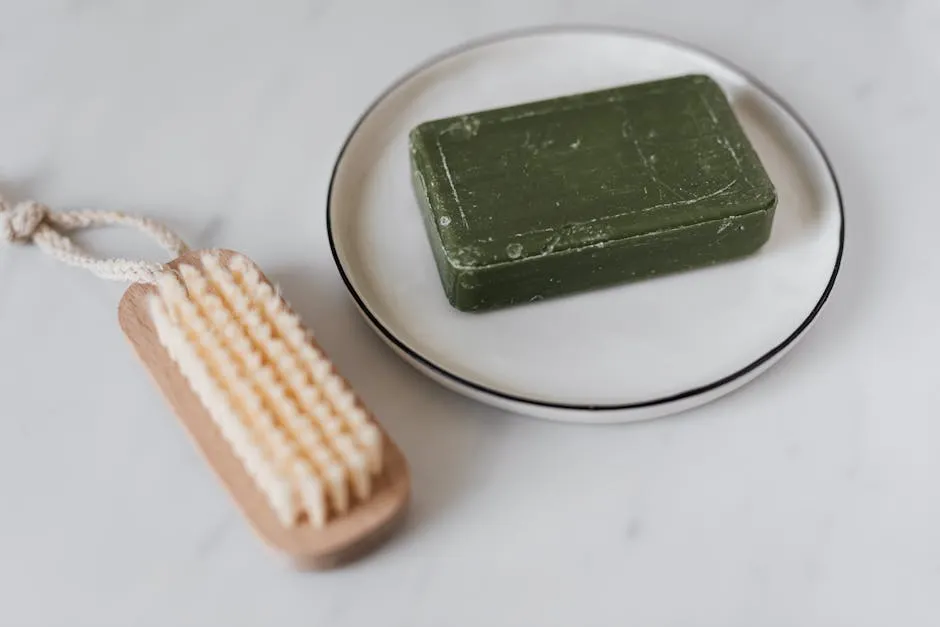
x: 811, y: 497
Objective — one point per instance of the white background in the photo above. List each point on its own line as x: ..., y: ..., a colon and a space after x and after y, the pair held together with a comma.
x: 811, y: 497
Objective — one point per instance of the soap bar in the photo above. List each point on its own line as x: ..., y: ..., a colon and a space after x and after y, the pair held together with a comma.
x: 590, y: 190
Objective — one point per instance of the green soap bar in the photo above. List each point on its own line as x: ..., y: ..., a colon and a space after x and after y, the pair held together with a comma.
x: 558, y: 196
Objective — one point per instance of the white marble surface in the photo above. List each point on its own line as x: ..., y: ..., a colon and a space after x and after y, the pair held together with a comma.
x: 811, y: 497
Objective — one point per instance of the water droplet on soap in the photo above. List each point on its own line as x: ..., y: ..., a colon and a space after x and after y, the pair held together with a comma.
x: 444, y: 221
x: 514, y: 251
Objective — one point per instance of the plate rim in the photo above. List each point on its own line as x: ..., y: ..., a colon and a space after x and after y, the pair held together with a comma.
x: 517, y: 33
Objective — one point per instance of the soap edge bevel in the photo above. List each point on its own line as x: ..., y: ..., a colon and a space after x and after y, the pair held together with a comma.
x: 583, y: 95
x: 448, y: 274
x: 765, y: 217
x: 769, y: 209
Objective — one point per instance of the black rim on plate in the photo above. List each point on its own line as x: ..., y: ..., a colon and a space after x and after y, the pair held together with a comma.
x: 513, y: 34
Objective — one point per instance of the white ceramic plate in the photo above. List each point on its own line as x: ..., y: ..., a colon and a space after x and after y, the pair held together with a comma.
x: 625, y: 353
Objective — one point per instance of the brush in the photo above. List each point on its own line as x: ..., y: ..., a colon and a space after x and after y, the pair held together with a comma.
x: 304, y: 459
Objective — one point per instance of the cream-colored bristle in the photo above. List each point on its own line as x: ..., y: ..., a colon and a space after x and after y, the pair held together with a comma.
x: 295, y: 425
x: 357, y: 416
x: 356, y: 462
x: 314, y: 497
x: 322, y: 413
x: 339, y: 490
x: 320, y: 369
x: 371, y: 439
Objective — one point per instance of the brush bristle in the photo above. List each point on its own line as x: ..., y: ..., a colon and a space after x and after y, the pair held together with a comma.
x: 297, y: 427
